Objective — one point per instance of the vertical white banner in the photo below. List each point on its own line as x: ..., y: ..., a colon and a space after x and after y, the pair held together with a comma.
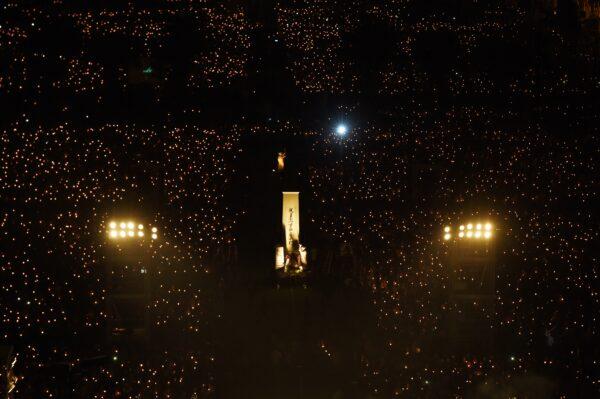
x: 291, y: 218
x: 279, y: 258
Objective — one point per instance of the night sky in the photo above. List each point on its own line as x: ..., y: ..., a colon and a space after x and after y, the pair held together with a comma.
x: 411, y: 129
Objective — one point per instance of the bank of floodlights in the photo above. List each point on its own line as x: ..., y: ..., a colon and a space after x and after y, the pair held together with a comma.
x: 470, y: 231
x: 127, y: 230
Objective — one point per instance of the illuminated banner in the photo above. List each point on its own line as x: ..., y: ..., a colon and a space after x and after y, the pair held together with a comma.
x: 291, y: 219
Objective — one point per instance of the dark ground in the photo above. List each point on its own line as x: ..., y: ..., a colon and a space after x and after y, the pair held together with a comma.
x: 274, y: 342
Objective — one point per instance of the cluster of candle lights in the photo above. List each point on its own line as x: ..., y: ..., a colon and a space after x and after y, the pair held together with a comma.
x: 58, y: 176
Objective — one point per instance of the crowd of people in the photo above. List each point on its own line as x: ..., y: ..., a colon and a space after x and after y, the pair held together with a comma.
x: 62, y: 186
x: 453, y: 113
x: 530, y: 184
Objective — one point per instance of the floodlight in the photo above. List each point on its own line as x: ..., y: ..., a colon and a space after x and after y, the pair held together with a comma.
x: 129, y: 229
x: 473, y: 230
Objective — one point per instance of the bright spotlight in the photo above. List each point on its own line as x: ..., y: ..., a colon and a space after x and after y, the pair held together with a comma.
x: 129, y: 229
x: 341, y: 129
x: 474, y: 230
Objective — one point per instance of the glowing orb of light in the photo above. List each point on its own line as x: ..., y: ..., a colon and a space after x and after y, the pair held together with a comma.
x: 341, y: 129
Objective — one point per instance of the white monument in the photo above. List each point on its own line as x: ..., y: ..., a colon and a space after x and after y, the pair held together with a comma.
x: 291, y: 257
